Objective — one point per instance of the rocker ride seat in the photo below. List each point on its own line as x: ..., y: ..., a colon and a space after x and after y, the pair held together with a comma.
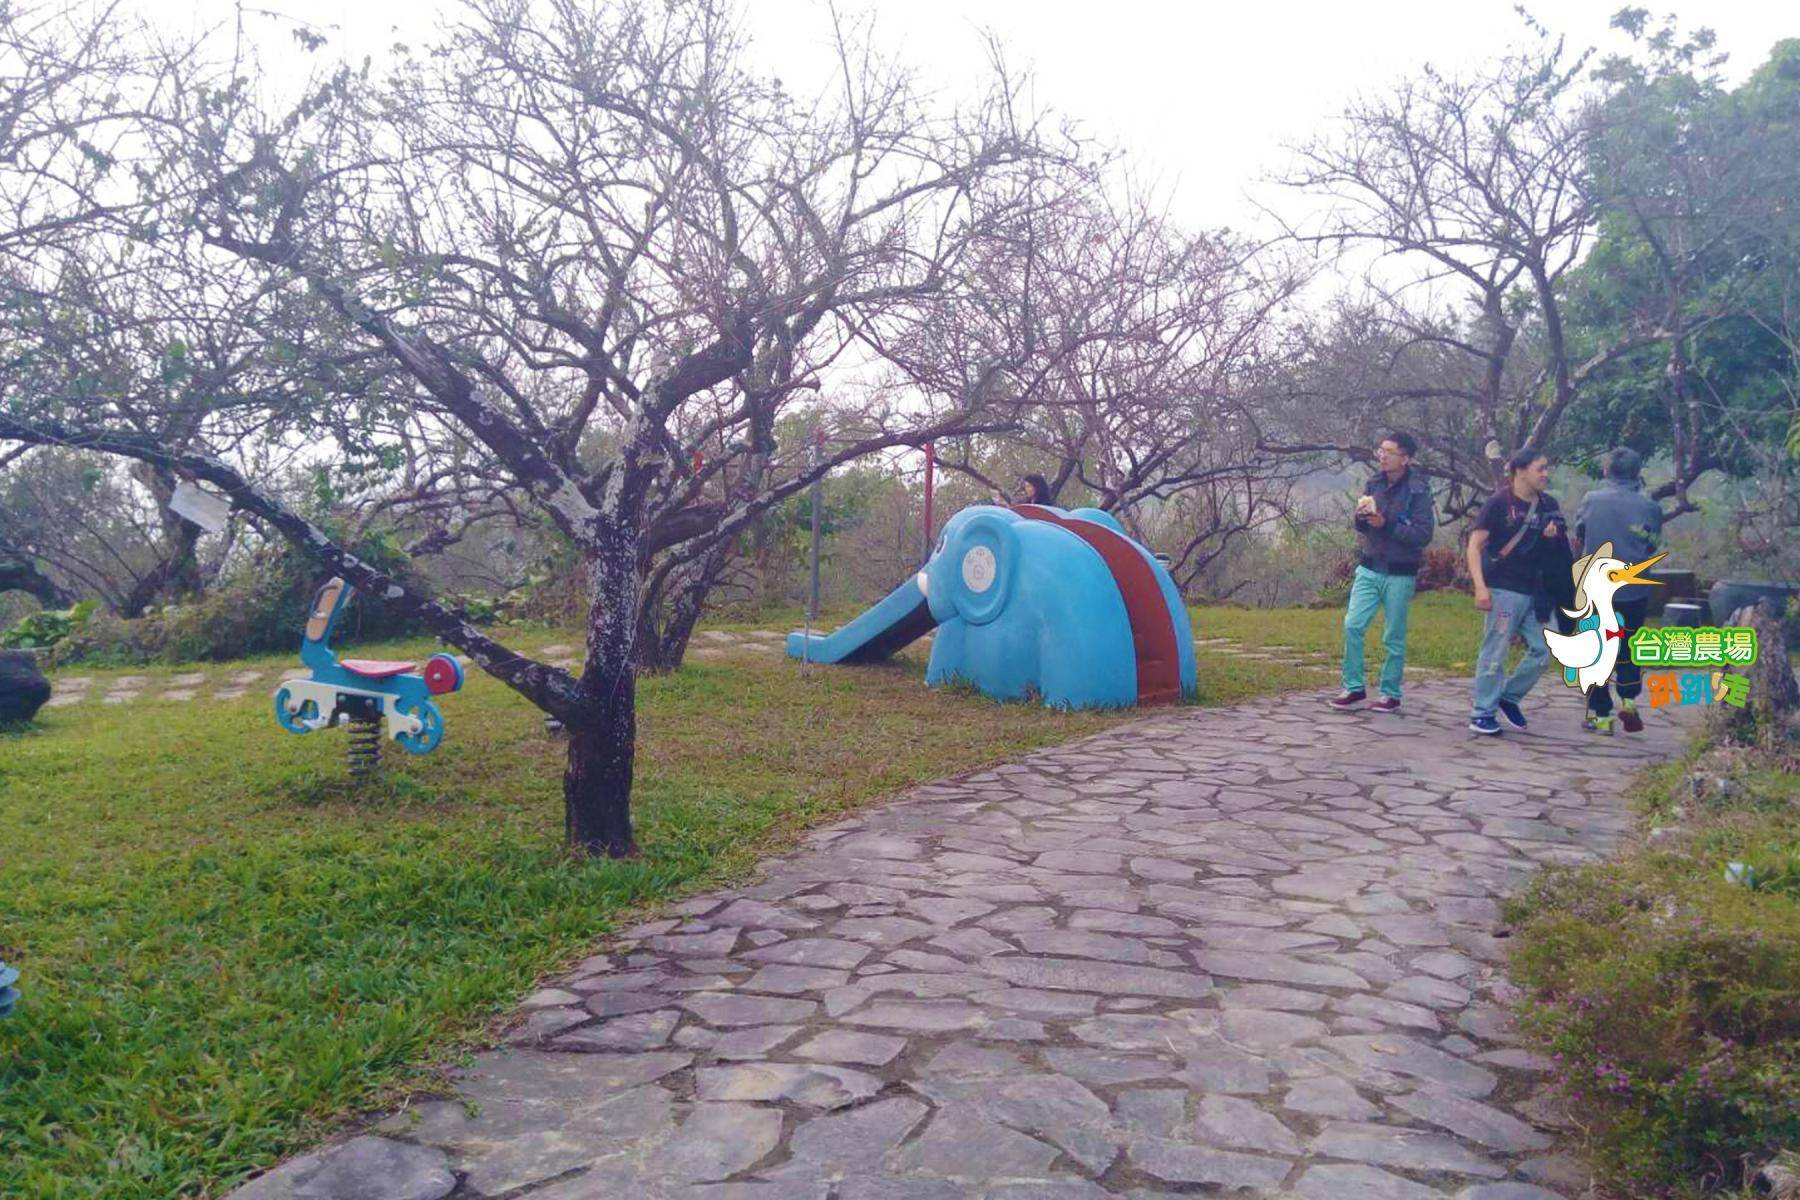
x: 374, y: 668
x: 352, y: 687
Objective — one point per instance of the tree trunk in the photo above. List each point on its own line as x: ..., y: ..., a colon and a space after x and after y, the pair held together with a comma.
x: 679, y: 601
x: 603, y: 741
x: 1774, y: 692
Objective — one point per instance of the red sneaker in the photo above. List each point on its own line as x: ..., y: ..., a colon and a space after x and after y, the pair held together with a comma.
x: 1387, y: 704
x: 1348, y: 700
x: 1628, y: 717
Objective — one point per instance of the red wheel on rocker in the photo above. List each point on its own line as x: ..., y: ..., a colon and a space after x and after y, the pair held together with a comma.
x: 442, y: 674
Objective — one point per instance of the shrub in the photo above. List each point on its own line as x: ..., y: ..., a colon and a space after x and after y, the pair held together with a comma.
x: 259, y: 609
x: 1670, y: 998
x: 1334, y: 587
x: 46, y: 627
x: 1442, y: 567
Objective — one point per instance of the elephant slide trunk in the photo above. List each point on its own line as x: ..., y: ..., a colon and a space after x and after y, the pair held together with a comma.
x: 893, y: 623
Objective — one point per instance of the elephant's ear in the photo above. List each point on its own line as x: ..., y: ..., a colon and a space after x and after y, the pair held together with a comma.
x: 982, y: 562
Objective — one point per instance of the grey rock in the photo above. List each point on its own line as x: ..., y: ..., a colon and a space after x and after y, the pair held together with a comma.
x: 1340, y: 1181
x: 545, y: 1023
x: 1105, y: 1068
x: 755, y: 914
x: 787, y: 980
x: 1405, y: 1056
x: 724, y: 1009
x: 718, y: 1141
x: 1158, y: 1112
x: 639, y: 1031
x: 960, y: 1145
x: 922, y: 1017
x: 943, y: 910
x: 859, y: 1138
x: 1121, y: 1031
x: 882, y: 1187
x: 972, y: 943
x: 363, y: 1168
x: 1013, y: 920
x: 1077, y: 975
x: 573, y: 1080
x: 755, y: 1042
x: 1240, y: 1125
x: 881, y: 931
x: 527, y: 1159
x: 814, y: 1085
x: 813, y: 952
x: 1276, y: 968
x: 1267, y: 995
x: 1440, y: 994
x: 1506, y: 1191
x: 717, y: 944
x: 966, y: 1058
x: 1470, y: 1119
x: 622, y: 1003
x: 1261, y: 1031
x: 1213, y: 1066
x: 1397, y: 1146
x: 1102, y: 920
x: 1329, y: 1096
x: 850, y: 1046
x: 1177, y: 1162
x: 1389, y: 1012
x: 1084, y: 945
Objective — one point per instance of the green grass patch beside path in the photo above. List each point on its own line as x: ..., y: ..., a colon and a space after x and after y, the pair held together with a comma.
x: 227, y: 951
x: 1443, y: 630
x: 1670, y: 996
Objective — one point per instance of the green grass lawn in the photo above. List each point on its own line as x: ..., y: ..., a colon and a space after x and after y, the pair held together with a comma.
x: 1442, y: 631
x: 228, y: 951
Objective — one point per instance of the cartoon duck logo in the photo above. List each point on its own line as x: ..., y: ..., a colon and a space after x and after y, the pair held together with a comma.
x: 1589, y: 654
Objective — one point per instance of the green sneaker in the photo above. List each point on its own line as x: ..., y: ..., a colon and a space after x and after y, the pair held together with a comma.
x: 1600, y: 725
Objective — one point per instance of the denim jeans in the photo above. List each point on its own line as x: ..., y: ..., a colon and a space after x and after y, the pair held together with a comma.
x: 1511, y: 613
x: 1628, y: 675
x: 1392, y: 594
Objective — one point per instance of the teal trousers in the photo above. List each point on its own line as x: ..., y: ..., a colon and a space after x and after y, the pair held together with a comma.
x: 1392, y: 594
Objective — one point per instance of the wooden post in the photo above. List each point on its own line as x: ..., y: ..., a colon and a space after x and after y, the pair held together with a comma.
x: 812, y: 611
x: 930, y: 472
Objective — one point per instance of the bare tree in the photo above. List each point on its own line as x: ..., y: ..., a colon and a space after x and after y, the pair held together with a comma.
x: 1471, y: 189
x: 604, y: 258
x: 1160, y: 338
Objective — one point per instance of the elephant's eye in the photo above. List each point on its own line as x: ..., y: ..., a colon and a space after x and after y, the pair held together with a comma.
x: 979, y: 569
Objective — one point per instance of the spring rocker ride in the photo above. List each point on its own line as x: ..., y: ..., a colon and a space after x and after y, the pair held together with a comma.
x: 363, y: 692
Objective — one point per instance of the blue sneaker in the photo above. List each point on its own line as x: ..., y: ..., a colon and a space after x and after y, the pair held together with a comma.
x: 1515, y: 716
x: 1486, y: 725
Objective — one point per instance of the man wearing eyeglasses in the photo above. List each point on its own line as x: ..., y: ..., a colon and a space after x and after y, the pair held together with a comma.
x: 1395, y: 521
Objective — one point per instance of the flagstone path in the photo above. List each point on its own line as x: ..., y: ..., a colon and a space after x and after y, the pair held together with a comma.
x: 1249, y: 949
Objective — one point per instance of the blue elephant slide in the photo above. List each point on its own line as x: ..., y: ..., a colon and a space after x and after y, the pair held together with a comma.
x: 1033, y: 600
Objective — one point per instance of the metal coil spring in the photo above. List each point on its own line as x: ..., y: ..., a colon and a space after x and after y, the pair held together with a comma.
x: 364, y: 747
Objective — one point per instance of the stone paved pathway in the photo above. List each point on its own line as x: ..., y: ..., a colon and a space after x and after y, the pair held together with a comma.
x: 1234, y: 949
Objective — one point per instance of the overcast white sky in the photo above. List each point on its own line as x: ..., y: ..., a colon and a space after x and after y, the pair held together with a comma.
x: 1203, y: 94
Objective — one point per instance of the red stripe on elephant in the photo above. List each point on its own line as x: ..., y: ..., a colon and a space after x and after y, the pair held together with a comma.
x: 1152, y: 628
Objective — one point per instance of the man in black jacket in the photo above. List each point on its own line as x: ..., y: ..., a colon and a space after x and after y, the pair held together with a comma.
x: 1395, y: 520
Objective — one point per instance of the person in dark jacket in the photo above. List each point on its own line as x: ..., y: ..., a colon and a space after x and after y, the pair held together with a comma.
x: 1519, y: 531
x: 1620, y: 513
x: 1395, y: 521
